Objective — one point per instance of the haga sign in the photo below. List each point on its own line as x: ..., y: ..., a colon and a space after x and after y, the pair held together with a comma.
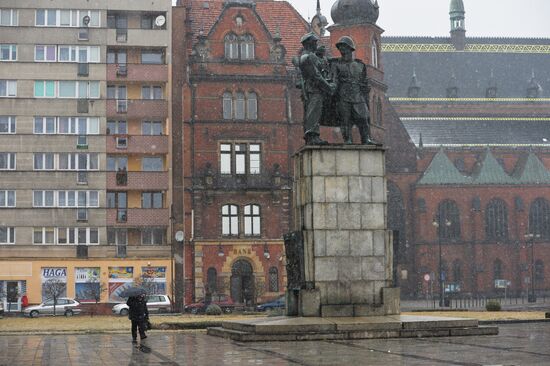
x: 49, y: 273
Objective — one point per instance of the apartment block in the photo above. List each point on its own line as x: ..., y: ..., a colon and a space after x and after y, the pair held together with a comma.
x: 84, y: 148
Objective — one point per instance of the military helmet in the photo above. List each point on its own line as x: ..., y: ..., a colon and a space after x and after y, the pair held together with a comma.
x: 347, y: 41
x: 309, y: 37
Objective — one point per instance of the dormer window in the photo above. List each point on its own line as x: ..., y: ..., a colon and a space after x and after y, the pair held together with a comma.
x: 239, y: 48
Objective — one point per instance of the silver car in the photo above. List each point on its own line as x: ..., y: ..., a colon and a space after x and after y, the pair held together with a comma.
x: 65, y: 306
x: 155, y: 304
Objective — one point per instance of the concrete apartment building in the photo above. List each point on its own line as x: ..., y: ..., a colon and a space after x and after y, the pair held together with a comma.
x: 84, y: 152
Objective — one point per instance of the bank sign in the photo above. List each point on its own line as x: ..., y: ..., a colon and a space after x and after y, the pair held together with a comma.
x: 54, y: 273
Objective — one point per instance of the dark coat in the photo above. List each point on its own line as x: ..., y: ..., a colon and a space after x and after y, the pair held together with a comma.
x: 138, y: 308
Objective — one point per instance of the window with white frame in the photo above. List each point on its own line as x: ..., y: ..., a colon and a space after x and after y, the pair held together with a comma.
x: 82, y: 54
x: 66, y: 235
x: 44, y: 89
x: 87, y: 236
x: 152, y: 236
x: 240, y: 158
x: 44, y: 125
x: 251, y: 106
x: 230, y: 220
x: 44, y: 161
x: 151, y: 128
x: 66, y: 18
x: 66, y: 89
x: 240, y: 105
x: 77, y: 125
x: 73, y: 199
x: 8, y: 52
x: 8, y: 88
x: 7, y: 124
x: 117, y: 236
x: 43, y: 235
x: 374, y: 53
x: 7, y: 235
x: 252, y: 220
x: 9, y: 17
x: 45, y: 53
x: 7, y: 161
x: 247, y: 47
x: 116, y: 92
x: 227, y: 105
x: 78, y: 161
x: 152, y: 164
x: 239, y: 47
x: 43, y: 198
x: 151, y: 92
x: 116, y: 163
x: 7, y: 199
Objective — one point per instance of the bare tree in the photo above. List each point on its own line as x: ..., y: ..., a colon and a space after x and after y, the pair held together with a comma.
x: 54, y: 289
x: 94, y: 289
x: 147, y: 282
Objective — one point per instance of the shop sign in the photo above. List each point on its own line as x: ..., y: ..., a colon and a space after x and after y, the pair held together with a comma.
x: 49, y: 273
x: 121, y: 274
x: 153, y: 272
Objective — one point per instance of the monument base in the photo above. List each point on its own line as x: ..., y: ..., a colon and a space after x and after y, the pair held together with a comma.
x: 330, y: 328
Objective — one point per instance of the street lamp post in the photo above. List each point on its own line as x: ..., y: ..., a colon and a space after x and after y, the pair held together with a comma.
x: 436, y: 224
x: 531, y: 238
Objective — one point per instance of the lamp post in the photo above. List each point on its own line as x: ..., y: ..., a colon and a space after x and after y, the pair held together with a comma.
x: 436, y: 223
x: 531, y: 238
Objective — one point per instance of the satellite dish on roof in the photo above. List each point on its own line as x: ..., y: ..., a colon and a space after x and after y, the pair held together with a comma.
x: 179, y: 236
x: 86, y: 20
x: 160, y: 20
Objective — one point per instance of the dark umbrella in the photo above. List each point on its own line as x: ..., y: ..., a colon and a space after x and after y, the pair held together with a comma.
x: 133, y: 291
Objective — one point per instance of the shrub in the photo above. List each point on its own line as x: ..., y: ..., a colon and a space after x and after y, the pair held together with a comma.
x: 493, y: 305
x: 213, y: 309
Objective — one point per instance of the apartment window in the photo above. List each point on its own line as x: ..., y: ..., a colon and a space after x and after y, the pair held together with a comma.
x: 8, y: 88
x: 44, y: 53
x: 7, y: 161
x: 152, y: 236
x: 151, y: 92
x: 75, y: 161
x: 8, y: 52
x: 7, y: 235
x: 44, y: 161
x: 46, y: 17
x: 66, y: 235
x: 66, y: 18
x: 152, y: 57
x: 8, y: 17
x: 116, y: 128
x: 152, y: 164
x: 230, y: 220
x: 152, y: 200
x: 117, y: 200
x: 117, y: 236
x: 252, y: 220
x: 44, y: 125
x: 7, y: 124
x: 118, y: 21
x: 44, y: 89
x: 43, y: 235
x: 77, y: 199
x: 7, y: 199
x: 88, y: 236
x: 43, y: 198
x: 83, y: 54
x: 116, y: 92
x: 240, y: 158
x: 240, y: 106
x: 117, y: 57
x: 116, y: 163
x: 151, y: 128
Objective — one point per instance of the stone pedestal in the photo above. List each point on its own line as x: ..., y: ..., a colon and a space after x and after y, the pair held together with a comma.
x: 340, y: 207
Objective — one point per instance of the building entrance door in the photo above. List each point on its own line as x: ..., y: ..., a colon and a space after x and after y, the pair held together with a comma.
x: 242, y: 283
x: 13, y: 300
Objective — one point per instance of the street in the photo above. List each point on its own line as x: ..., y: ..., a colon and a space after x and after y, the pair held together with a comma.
x: 517, y: 344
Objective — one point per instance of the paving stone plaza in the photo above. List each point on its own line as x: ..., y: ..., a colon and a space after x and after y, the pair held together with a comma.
x: 517, y: 344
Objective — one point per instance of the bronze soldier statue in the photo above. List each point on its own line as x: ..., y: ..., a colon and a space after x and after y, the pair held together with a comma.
x: 315, y: 89
x: 350, y: 76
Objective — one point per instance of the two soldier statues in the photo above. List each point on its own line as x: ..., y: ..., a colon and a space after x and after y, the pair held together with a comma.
x: 335, y: 92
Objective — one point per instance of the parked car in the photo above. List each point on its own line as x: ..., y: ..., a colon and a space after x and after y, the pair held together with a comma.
x: 279, y: 303
x: 223, y: 301
x: 65, y: 306
x: 155, y: 304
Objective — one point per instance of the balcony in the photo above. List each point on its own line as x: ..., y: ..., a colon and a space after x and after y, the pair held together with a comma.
x: 139, y: 37
x: 137, y: 72
x: 137, y: 144
x: 137, y: 108
x: 138, y: 217
x: 140, y: 181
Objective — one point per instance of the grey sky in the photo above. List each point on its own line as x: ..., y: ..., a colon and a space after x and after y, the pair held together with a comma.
x: 519, y: 18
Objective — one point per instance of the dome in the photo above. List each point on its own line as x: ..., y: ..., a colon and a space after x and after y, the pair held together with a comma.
x: 355, y: 11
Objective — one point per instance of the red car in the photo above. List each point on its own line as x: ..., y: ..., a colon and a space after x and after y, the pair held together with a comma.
x: 223, y: 301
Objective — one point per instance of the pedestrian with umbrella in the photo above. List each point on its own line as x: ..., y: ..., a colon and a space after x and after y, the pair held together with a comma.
x: 138, y: 313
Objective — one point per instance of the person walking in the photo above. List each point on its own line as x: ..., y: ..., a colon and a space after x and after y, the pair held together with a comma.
x: 139, y: 315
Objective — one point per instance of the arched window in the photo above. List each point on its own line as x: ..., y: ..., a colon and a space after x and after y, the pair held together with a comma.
x: 231, y: 47
x: 496, y: 220
x: 247, y: 47
x: 227, y: 105
x: 457, y: 271
x: 539, y: 271
x: 448, y: 220
x: 374, y: 53
x: 498, y: 270
x: 239, y: 106
x: 230, y: 220
x: 539, y: 218
x: 273, y: 279
x: 212, y: 280
x: 252, y: 220
x: 251, y: 106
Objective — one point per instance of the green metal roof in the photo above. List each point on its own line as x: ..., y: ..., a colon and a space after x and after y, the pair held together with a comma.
x: 442, y: 171
x: 491, y: 172
x: 534, y: 172
x: 457, y: 6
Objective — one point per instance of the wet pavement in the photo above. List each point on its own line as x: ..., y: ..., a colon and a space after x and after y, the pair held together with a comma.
x: 517, y: 344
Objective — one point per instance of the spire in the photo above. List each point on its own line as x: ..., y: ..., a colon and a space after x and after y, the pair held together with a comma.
x: 458, y: 24
x: 319, y: 22
x: 414, y: 88
x: 318, y: 7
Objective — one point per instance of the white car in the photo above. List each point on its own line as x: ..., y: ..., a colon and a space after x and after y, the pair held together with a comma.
x: 65, y: 306
x: 155, y: 304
